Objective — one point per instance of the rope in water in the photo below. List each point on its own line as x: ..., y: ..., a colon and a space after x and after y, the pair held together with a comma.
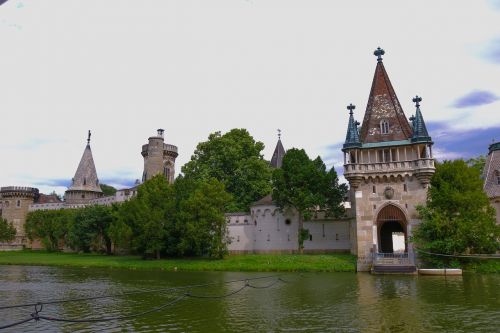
x: 474, y: 256
x: 39, y: 305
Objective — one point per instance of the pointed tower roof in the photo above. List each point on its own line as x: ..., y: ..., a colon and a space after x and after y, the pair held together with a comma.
x: 492, y: 171
x: 352, y: 137
x: 383, y: 106
x: 420, y: 133
x: 279, y: 152
x: 85, y: 178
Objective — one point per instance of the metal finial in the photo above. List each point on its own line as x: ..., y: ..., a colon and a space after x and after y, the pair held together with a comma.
x: 279, y: 134
x: 417, y: 101
x: 88, y: 138
x: 351, y: 107
x: 379, y: 53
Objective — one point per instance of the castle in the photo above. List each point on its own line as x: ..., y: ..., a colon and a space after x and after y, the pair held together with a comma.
x: 388, y: 163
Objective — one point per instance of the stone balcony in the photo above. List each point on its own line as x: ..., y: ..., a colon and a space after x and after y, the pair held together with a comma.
x: 422, y: 168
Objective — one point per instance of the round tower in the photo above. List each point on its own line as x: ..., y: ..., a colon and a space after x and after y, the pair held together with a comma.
x: 159, y: 158
x: 15, y: 201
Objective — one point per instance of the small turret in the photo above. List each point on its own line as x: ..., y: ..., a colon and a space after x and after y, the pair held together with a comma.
x: 279, y: 152
x: 352, y: 137
x: 420, y: 133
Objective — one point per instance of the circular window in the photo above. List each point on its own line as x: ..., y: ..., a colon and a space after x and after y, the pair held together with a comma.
x: 288, y: 222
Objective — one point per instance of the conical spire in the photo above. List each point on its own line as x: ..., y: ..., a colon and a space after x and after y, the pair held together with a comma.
x: 352, y: 137
x: 85, y: 178
x: 384, y: 118
x: 420, y: 133
x: 279, y: 152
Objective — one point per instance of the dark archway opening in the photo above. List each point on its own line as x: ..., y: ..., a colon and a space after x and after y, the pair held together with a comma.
x: 388, y: 235
x: 392, y: 234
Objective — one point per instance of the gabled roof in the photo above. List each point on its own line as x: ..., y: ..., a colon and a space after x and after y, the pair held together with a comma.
x: 492, y: 171
x: 85, y: 178
x: 265, y: 201
x: 279, y: 152
x: 383, y: 104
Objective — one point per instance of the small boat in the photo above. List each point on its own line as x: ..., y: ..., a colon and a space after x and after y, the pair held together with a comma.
x: 440, y: 271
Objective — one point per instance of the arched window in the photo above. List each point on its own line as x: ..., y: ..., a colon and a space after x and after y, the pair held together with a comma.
x: 384, y: 127
x: 18, y: 203
x: 84, y: 181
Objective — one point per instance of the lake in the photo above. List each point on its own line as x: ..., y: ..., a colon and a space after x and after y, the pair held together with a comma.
x: 312, y: 302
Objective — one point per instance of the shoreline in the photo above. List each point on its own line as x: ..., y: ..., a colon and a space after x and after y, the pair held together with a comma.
x: 231, y: 263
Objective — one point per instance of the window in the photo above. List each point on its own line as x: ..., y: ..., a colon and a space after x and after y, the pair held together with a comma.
x: 387, y: 155
x: 498, y: 180
x: 18, y: 203
x: 323, y: 230
x: 310, y: 237
x: 374, y: 189
x: 83, y: 196
x: 405, y: 188
x: 238, y: 238
x: 255, y: 222
x: 84, y: 181
x: 288, y: 222
x: 246, y: 221
x: 384, y: 127
x: 336, y: 236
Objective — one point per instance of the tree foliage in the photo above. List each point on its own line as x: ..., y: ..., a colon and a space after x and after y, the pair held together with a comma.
x: 90, y: 229
x: 201, y: 220
x: 478, y: 163
x: 457, y: 218
x: 7, y: 231
x: 50, y: 226
x: 306, y: 185
x: 235, y: 159
x: 107, y: 190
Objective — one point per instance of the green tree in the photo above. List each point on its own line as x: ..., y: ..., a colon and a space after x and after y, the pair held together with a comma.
x: 151, y: 217
x: 201, y: 223
x: 90, y: 230
x: 50, y: 226
x: 7, y: 231
x: 305, y: 184
x: 457, y: 218
x: 108, y: 190
x: 235, y: 159
x: 478, y: 163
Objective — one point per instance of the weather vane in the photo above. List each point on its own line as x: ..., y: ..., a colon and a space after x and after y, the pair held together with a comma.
x: 279, y: 134
x: 379, y: 53
x: 88, y: 138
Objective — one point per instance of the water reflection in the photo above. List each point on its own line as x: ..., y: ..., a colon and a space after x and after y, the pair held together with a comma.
x: 338, y: 302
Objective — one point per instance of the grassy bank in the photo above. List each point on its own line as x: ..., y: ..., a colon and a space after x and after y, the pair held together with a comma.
x: 246, y: 263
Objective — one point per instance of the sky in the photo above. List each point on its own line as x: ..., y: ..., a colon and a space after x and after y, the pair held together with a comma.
x: 123, y: 69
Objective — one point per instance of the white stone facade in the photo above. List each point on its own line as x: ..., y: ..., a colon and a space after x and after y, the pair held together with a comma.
x: 267, y: 230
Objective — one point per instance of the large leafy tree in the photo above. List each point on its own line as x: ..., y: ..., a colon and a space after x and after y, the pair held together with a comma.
x: 90, y: 229
x: 7, y: 231
x: 235, y: 159
x: 305, y: 185
x: 151, y: 217
x: 50, y: 226
x: 457, y: 218
x: 200, y: 221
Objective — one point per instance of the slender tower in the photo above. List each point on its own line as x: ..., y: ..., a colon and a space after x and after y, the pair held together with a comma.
x: 85, y: 184
x: 159, y: 158
x: 388, y: 163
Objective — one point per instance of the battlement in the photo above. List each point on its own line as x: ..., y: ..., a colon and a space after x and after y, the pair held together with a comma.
x: 18, y: 191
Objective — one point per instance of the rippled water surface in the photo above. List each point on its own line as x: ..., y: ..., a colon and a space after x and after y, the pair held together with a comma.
x: 315, y: 302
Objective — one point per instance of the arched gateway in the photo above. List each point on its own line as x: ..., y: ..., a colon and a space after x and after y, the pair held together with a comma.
x: 392, y: 232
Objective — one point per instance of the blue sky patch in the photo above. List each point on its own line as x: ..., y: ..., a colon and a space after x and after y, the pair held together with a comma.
x: 475, y: 98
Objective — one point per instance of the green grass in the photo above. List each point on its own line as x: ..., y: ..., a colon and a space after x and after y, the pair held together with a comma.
x: 244, y: 263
